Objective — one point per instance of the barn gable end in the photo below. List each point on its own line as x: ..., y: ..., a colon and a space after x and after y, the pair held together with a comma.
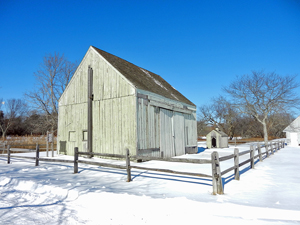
x: 113, y: 109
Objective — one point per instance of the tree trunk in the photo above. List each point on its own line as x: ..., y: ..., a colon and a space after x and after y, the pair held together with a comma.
x: 265, y: 132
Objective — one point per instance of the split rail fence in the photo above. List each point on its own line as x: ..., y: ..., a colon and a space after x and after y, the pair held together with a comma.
x: 217, y: 180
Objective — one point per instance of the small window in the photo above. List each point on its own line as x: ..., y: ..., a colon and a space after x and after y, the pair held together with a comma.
x: 72, y: 136
x: 84, y: 135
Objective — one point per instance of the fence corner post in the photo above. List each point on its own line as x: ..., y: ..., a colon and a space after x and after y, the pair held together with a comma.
x: 236, y: 164
x: 128, y: 165
x: 37, y: 154
x: 76, y: 160
x: 8, y: 154
x: 216, y: 174
x: 251, y: 157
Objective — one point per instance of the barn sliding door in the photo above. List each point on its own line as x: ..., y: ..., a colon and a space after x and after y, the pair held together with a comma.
x: 178, y: 126
x: 166, y: 133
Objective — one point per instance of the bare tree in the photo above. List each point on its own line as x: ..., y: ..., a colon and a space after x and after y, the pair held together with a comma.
x: 263, y: 94
x: 14, y: 109
x: 277, y: 122
x: 220, y: 114
x: 51, y: 80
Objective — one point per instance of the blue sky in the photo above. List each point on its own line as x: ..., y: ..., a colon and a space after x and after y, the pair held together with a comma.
x: 197, y: 46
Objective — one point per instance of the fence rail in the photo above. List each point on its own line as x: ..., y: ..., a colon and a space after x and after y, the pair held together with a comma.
x: 216, y: 176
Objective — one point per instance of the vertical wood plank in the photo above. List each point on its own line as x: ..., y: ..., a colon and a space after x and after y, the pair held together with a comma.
x: 90, y: 110
x: 128, y: 166
x: 8, y: 154
x: 52, y: 143
x: 216, y: 174
x: 236, y: 164
x: 259, y: 152
x: 76, y: 160
x: 252, y: 157
x: 272, y: 151
x: 47, y: 144
x: 267, y: 150
x: 37, y: 154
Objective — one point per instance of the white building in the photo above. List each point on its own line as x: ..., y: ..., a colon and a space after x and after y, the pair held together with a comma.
x: 293, y: 132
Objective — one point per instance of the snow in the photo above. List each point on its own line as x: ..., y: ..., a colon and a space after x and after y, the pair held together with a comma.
x: 52, y: 194
x: 156, y: 81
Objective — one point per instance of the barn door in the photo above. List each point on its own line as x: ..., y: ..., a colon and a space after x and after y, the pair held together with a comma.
x: 179, y: 140
x: 166, y: 133
x: 172, y: 139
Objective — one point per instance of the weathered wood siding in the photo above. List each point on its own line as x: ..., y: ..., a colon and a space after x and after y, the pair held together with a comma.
x: 179, y: 134
x: 164, y: 126
x: 148, y: 129
x: 190, y: 129
x: 114, y: 109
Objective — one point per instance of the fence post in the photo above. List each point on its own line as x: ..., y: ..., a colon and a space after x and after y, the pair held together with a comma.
x: 8, y: 154
x: 216, y: 174
x: 76, y: 160
x: 272, y: 148
x: 47, y: 143
x: 128, y: 166
x: 259, y: 152
x: 52, y: 144
x: 252, y: 157
x: 283, y: 143
x: 37, y: 154
x: 267, y: 151
x: 236, y: 164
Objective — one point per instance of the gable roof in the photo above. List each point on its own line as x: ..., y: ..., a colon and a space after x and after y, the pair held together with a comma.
x: 294, y: 126
x: 143, y: 79
x: 221, y: 133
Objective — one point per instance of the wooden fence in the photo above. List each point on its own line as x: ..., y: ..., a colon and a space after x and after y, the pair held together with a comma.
x: 216, y: 176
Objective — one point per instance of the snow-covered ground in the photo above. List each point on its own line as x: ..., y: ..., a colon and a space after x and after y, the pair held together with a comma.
x: 52, y: 194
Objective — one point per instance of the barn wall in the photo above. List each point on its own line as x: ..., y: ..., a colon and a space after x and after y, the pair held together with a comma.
x: 114, y: 109
x: 164, y: 126
x: 148, y: 129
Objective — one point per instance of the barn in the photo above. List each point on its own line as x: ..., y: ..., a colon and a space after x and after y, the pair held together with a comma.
x: 216, y: 139
x: 111, y: 104
x: 292, y: 132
